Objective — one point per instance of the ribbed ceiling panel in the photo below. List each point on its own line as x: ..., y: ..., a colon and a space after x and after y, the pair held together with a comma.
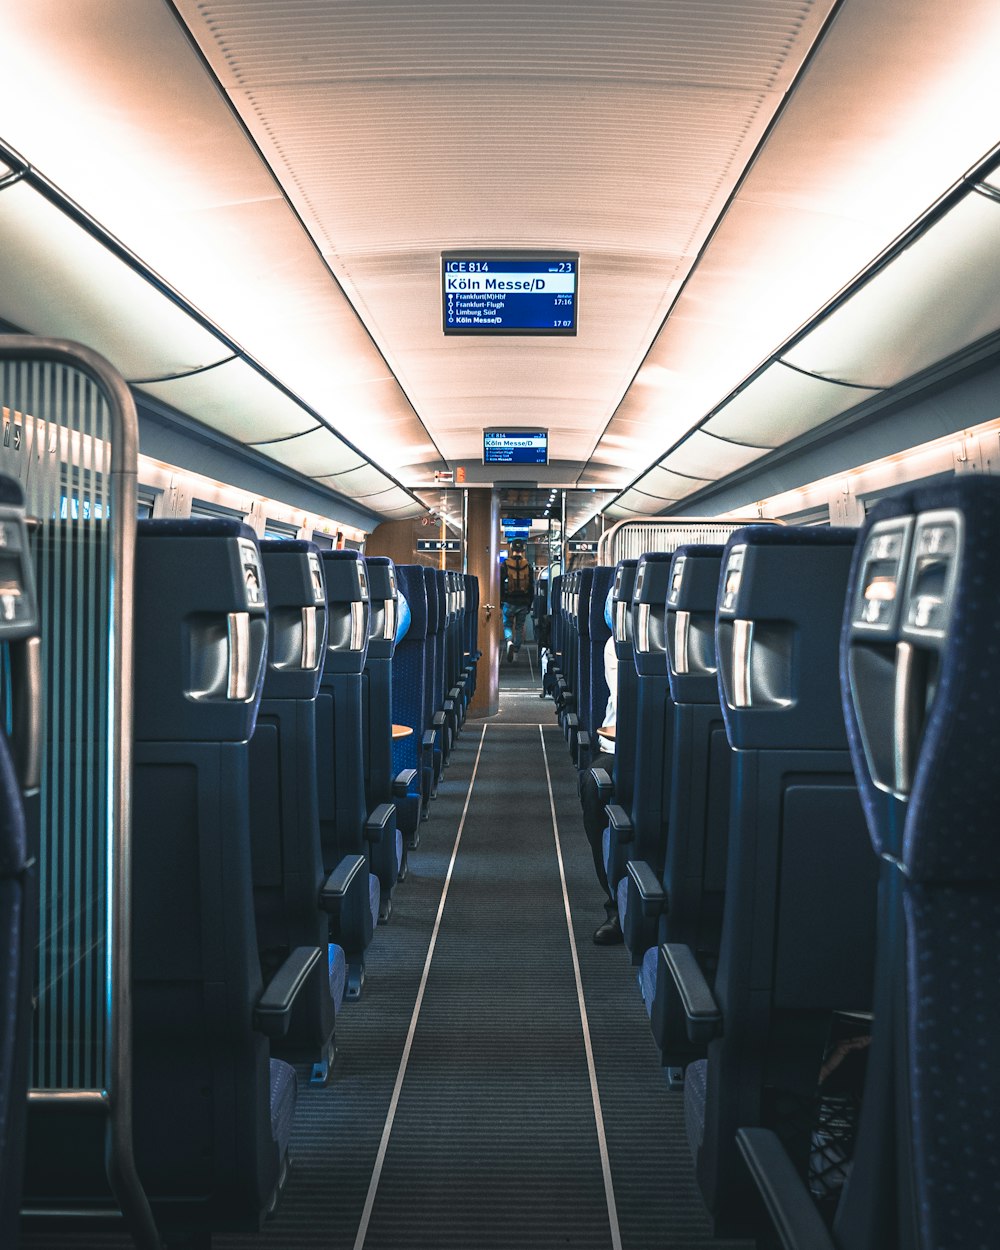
x: 400, y: 129
x: 724, y: 41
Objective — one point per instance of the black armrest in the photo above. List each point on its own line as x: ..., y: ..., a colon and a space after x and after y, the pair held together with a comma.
x: 428, y: 738
x: 605, y: 786
x: 701, y: 1011
x: 402, y: 781
x: 438, y: 720
x: 651, y: 892
x: 338, y: 883
x: 273, y: 1012
x: 620, y: 822
x: 793, y: 1213
x: 447, y: 706
x: 455, y: 692
x: 572, y: 720
x: 380, y: 821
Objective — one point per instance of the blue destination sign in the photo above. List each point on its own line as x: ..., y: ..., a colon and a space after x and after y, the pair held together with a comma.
x: 439, y: 544
x: 515, y: 447
x: 496, y: 294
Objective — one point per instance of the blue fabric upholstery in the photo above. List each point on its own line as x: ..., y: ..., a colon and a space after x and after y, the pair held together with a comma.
x: 797, y: 936
x: 621, y: 897
x: 695, y: 1093
x: 606, y: 844
x: 951, y: 893
x: 600, y: 632
x: 283, y: 1094
x: 409, y: 662
x: 338, y: 973
x: 647, y: 977
x: 951, y: 825
x: 374, y: 896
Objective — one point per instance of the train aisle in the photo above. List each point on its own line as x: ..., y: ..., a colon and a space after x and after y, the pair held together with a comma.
x: 465, y: 1112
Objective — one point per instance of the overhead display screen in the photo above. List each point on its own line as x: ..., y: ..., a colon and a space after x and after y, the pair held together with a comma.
x: 506, y: 293
x: 515, y: 446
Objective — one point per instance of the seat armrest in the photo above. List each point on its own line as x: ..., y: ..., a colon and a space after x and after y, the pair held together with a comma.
x: 649, y: 886
x: 701, y: 1011
x: 338, y: 884
x: 438, y: 720
x: 429, y: 737
x: 273, y: 1012
x: 793, y: 1213
x: 403, y: 780
x: 455, y: 692
x: 605, y: 786
x: 620, y: 822
x: 380, y: 821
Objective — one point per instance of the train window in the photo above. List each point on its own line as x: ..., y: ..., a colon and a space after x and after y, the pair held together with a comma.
x: 203, y: 507
x: 279, y: 529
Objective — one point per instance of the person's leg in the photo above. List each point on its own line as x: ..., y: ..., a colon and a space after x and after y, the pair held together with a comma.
x: 508, y: 629
x: 520, y: 615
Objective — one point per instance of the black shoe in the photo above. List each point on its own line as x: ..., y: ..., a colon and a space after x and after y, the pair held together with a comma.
x: 542, y: 694
x: 610, y: 933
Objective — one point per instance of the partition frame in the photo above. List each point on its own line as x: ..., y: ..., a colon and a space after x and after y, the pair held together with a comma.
x: 615, y: 544
x: 122, y: 477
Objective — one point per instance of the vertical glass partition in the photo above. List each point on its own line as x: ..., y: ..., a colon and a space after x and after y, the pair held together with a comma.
x: 69, y: 436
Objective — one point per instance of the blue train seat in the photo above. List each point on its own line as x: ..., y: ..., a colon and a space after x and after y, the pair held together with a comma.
x: 567, y: 665
x: 212, y: 1110
x: 800, y: 895
x: 471, y: 627
x: 290, y: 907
x: 412, y: 754
x: 388, y: 855
x: 641, y: 833
x: 565, y: 694
x: 616, y: 852
x: 18, y: 873
x: 348, y: 831
x: 685, y: 904
x: 554, y: 678
x: 598, y: 633
x: 437, y: 718
x: 919, y: 668
x: 576, y: 723
x: 457, y: 680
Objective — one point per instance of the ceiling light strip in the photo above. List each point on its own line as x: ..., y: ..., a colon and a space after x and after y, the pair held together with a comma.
x: 971, y: 182
x: 49, y: 191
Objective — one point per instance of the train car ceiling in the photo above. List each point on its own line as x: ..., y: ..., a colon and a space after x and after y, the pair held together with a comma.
x: 292, y: 174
